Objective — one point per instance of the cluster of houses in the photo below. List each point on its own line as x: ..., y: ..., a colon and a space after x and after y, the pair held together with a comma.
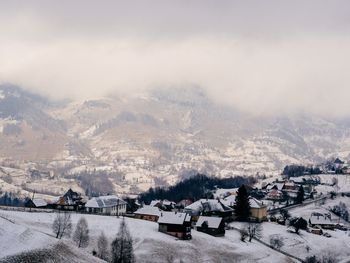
x: 205, y: 215
x: 176, y: 219
x: 73, y: 201
x: 287, y: 190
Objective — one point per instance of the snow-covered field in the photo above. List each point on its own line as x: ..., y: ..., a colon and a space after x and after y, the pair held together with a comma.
x: 33, y: 230
x: 308, y: 244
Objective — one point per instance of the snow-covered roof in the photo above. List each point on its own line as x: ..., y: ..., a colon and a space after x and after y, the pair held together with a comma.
x: 162, y: 202
x: 254, y: 203
x: 148, y: 210
x: 212, y: 222
x: 212, y: 204
x: 279, y: 186
x: 229, y: 201
x: 221, y: 192
x: 154, y: 202
x: 174, y: 218
x: 320, y: 219
x: 38, y: 202
x: 105, y: 201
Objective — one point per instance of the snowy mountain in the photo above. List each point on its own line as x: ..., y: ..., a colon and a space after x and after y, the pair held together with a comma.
x: 151, y: 139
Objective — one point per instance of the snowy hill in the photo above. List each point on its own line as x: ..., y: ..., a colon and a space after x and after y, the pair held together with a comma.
x: 149, y: 244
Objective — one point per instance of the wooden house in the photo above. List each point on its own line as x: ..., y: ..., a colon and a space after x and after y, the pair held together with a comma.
x: 208, y: 207
x: 70, y: 201
x: 324, y: 221
x: 211, y: 225
x: 150, y: 213
x: 176, y: 224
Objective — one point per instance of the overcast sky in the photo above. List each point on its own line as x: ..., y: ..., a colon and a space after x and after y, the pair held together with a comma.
x: 261, y: 56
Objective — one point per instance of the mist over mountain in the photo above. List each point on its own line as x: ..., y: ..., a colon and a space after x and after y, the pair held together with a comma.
x: 157, y: 137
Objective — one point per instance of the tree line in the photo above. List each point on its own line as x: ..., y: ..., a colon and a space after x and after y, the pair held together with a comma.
x: 194, y: 188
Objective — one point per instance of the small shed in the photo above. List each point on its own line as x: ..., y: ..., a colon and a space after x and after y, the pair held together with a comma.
x: 211, y: 225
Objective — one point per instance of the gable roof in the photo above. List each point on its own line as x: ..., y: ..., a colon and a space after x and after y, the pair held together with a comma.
x: 254, y: 203
x: 278, y: 186
x: 148, y: 210
x: 212, y: 222
x: 321, y: 219
x: 174, y: 218
x: 38, y: 202
x: 212, y: 204
x: 105, y: 201
x: 230, y: 200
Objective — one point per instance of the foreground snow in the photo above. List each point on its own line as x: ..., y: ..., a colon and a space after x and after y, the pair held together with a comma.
x: 150, y: 245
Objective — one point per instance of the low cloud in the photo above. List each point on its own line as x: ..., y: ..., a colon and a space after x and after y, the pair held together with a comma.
x: 288, y: 63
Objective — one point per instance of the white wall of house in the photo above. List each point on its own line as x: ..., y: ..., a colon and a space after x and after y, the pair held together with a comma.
x: 108, y: 210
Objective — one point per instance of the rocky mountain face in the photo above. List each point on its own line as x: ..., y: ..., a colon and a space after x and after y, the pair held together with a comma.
x: 150, y: 139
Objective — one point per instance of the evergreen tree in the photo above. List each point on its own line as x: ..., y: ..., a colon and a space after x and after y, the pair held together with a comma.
x: 298, y: 223
x: 300, y: 195
x: 81, y: 233
x: 242, y: 205
x: 122, y: 248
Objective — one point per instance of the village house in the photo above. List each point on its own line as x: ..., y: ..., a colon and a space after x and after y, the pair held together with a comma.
x: 211, y: 225
x: 36, y: 203
x: 176, y: 224
x: 183, y: 203
x: 324, y: 221
x: 107, y: 205
x: 150, y: 213
x: 208, y: 207
x: 275, y: 195
x: 258, y: 210
x: 70, y: 201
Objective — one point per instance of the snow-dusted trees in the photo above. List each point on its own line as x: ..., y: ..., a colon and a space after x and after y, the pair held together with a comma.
x: 285, y: 214
x: 62, y: 225
x: 254, y: 230
x: 341, y: 211
x: 102, y: 247
x: 122, y: 248
x: 81, y: 233
x: 276, y: 241
x: 298, y: 223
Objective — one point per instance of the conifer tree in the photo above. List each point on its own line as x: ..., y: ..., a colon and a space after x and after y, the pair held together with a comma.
x: 300, y: 195
x: 242, y: 205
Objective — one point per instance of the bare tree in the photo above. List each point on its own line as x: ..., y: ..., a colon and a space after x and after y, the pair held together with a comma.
x: 122, y: 247
x: 254, y: 230
x: 81, y: 233
x: 244, y: 234
x: 329, y: 257
x: 102, y: 247
x: 276, y: 241
x: 62, y: 225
